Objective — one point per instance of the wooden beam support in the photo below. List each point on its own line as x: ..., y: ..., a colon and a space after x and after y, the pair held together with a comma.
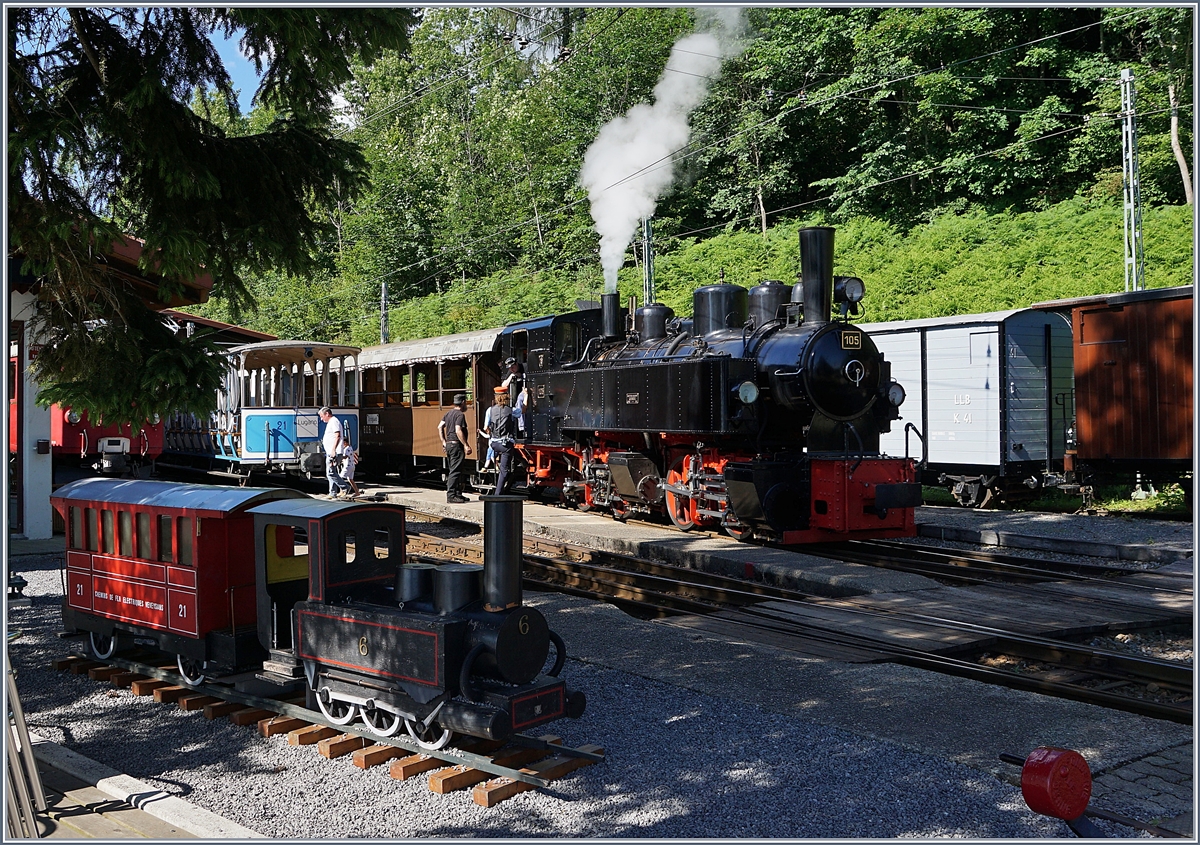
x: 147, y: 687
x: 171, y: 694
x: 310, y: 735
x: 338, y: 746
x: 249, y: 715
x: 221, y: 709
x: 498, y: 789
x: 279, y: 725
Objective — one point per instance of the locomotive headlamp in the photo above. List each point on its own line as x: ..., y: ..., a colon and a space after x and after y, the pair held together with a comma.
x: 848, y: 289
x: 747, y: 392
x: 73, y: 417
x: 896, y: 394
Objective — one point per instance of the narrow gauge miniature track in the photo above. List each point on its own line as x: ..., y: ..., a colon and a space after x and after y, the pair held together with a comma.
x: 651, y: 589
x: 497, y: 769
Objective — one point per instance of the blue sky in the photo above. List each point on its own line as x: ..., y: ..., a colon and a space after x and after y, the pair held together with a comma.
x: 239, y: 67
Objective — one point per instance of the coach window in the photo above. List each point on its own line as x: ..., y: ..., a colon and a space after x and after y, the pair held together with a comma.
x: 76, y: 528
x: 350, y: 550
x: 425, y: 384
x: 186, y: 540
x: 93, y: 531
x: 125, y: 533
x: 143, y: 536
x: 165, y: 546
x: 106, y: 536
x: 372, y: 388
x: 454, y: 380
x: 350, y: 383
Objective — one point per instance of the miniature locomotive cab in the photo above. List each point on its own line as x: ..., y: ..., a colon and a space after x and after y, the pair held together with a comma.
x: 315, y: 594
x: 166, y: 564
x: 760, y: 414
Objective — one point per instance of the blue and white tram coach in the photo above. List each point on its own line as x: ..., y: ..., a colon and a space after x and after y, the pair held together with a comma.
x: 266, y: 417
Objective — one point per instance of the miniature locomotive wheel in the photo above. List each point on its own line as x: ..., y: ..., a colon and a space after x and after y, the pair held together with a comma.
x: 381, y: 722
x: 337, y: 712
x: 103, y: 646
x: 428, y: 737
x: 679, y: 508
x: 190, y: 670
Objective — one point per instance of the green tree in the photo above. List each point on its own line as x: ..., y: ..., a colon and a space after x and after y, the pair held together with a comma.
x: 103, y: 141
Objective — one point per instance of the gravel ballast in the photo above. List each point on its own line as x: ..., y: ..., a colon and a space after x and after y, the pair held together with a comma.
x: 680, y: 763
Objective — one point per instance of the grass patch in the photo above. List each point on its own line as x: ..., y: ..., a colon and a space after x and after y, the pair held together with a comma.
x: 1169, y: 503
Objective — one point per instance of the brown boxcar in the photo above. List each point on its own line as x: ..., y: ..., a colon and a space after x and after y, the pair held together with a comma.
x: 1133, y: 380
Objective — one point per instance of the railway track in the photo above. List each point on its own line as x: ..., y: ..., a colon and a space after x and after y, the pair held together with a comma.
x: 789, y: 619
x: 979, y: 565
x: 496, y: 770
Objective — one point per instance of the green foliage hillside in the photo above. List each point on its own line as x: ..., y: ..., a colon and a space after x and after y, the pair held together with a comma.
x: 954, y: 265
x: 970, y: 159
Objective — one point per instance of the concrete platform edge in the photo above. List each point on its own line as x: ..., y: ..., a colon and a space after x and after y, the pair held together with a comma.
x: 1164, y: 554
x: 175, y: 811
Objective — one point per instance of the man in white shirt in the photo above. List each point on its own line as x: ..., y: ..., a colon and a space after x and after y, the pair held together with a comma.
x: 331, y: 441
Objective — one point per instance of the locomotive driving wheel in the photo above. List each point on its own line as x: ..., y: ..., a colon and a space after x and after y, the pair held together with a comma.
x: 381, y: 722
x: 427, y: 736
x: 679, y: 508
x: 338, y: 712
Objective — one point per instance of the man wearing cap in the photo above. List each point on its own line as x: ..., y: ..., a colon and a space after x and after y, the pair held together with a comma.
x: 499, y: 425
x: 514, y: 377
x: 453, y: 432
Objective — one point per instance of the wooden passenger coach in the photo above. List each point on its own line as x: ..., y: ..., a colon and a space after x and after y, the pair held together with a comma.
x: 406, y: 389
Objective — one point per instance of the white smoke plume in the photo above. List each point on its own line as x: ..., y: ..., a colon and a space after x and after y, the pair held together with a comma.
x: 629, y: 166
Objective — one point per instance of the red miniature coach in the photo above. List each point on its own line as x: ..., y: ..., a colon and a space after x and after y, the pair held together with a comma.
x: 170, y: 562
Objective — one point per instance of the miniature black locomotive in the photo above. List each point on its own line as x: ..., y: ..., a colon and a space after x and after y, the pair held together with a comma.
x: 326, y: 602
x: 760, y: 415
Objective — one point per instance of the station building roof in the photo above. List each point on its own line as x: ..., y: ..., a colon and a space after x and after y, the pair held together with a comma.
x: 123, y: 258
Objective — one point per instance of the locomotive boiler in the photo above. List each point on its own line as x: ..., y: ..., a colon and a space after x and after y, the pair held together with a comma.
x: 761, y: 415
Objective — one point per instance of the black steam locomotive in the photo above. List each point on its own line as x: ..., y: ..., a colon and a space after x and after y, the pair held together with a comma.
x: 326, y: 602
x: 760, y: 414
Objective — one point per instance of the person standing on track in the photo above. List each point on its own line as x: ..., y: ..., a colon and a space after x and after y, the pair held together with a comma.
x: 498, y: 425
x: 331, y: 441
x: 453, y: 433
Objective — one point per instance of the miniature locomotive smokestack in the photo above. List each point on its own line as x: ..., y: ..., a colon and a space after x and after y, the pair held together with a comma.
x: 610, y: 316
x: 501, y: 552
x: 816, y: 274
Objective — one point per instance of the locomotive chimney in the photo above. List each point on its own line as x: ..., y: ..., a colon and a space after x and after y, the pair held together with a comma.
x: 610, y: 316
x: 816, y: 274
x: 501, y: 552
